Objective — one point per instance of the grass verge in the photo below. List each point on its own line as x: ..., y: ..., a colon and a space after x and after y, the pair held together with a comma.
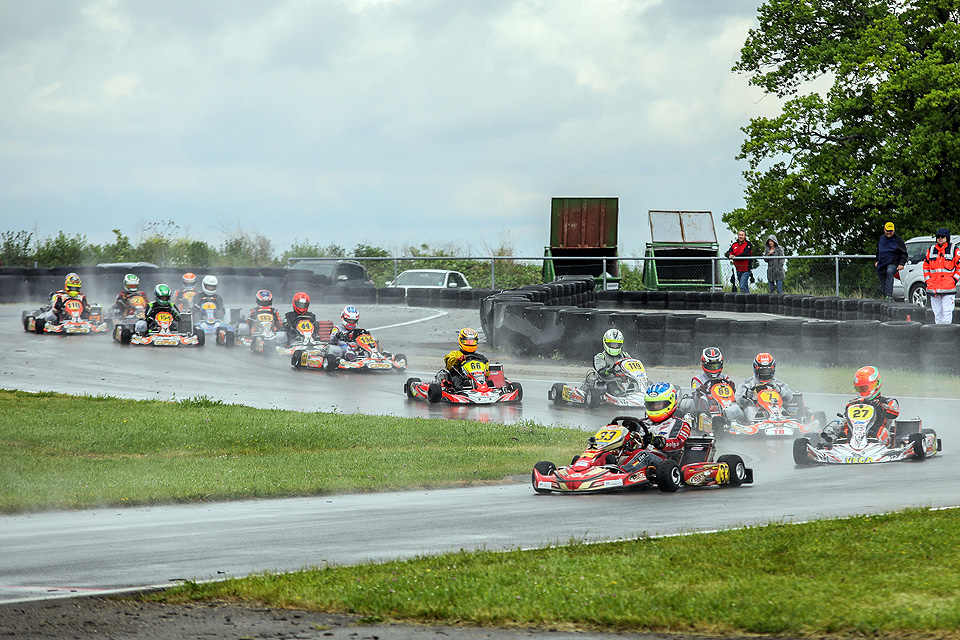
x: 893, y: 575
x: 61, y: 451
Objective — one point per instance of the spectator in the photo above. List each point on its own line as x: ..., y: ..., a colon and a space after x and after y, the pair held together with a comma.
x: 941, y: 270
x: 775, y: 269
x: 741, y: 249
x: 891, y: 256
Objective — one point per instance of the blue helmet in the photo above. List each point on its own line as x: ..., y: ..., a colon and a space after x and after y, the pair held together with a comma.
x: 660, y: 401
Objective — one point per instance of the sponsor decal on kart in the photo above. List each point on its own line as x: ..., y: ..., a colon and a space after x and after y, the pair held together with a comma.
x: 859, y: 460
x: 723, y: 473
x: 615, y: 482
x: 779, y: 431
x: 699, y: 477
x: 378, y: 365
x: 544, y: 484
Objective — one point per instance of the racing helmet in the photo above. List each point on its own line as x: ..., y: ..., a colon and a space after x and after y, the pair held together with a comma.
x: 131, y: 282
x: 189, y: 279
x: 468, y: 339
x: 264, y: 298
x: 660, y: 401
x: 764, y: 366
x: 866, y: 381
x: 209, y: 285
x: 613, y: 342
x: 162, y: 293
x: 301, y: 302
x: 711, y: 361
x: 350, y: 317
x: 72, y: 285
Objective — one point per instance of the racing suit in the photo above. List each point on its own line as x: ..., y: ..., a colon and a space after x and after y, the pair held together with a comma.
x: 887, y: 410
x: 122, y: 308
x: 184, y: 298
x: 245, y: 326
x: 668, y: 436
x: 602, y: 373
x: 199, y: 314
x: 343, y: 342
x: 699, y: 400
x: 290, y: 320
x: 452, y: 373
x: 747, y: 394
x: 150, y: 320
x: 57, y: 311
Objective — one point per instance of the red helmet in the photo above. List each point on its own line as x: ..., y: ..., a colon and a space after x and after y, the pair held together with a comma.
x: 764, y: 366
x: 711, y: 361
x: 189, y: 279
x: 866, y: 381
x: 301, y: 302
x: 264, y: 298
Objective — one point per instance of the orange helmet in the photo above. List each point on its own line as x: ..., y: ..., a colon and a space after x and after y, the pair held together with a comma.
x: 764, y: 366
x: 189, y: 279
x: 468, y: 340
x: 301, y: 302
x: 866, y: 381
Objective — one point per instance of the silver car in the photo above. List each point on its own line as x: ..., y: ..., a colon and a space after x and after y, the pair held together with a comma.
x: 912, y: 287
x: 431, y: 279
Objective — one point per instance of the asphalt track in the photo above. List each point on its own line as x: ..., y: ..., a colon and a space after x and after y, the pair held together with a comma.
x: 54, y: 554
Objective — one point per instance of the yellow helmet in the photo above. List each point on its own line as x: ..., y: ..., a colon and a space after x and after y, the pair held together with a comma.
x: 72, y: 284
x: 468, y: 340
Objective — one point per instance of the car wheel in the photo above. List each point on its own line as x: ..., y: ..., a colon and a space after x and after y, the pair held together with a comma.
x: 544, y: 468
x: 918, y: 294
x: 555, y: 394
x: 408, y: 386
x: 669, y: 477
x: 738, y: 470
x: 800, y: 456
x: 433, y: 393
x: 919, y: 452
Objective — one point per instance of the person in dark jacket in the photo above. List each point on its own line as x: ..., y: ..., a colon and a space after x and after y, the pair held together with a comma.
x: 740, y: 252
x: 775, y: 260
x: 891, y: 256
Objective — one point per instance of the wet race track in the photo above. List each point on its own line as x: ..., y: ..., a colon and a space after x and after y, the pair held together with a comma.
x: 57, y: 553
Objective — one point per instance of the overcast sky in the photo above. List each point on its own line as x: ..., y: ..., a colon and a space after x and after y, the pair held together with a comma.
x: 383, y: 122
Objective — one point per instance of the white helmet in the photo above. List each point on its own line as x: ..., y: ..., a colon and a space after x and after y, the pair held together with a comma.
x: 209, y: 285
x: 613, y: 342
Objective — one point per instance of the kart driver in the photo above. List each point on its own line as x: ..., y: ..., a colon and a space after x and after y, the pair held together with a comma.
x: 866, y: 382
x: 301, y: 306
x: 208, y: 293
x: 468, y: 341
x: 668, y: 433
x: 764, y: 366
x: 161, y: 293
x: 131, y: 289
x: 711, y: 363
x: 343, y: 338
x: 71, y: 290
x: 603, y: 363
x: 264, y: 305
x: 183, y: 298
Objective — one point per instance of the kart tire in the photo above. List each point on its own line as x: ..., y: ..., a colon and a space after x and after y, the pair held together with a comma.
x: 573, y: 461
x: 516, y: 385
x: 544, y: 468
x: 230, y: 338
x: 591, y: 398
x: 556, y: 393
x: 919, y: 453
x: 201, y: 338
x: 408, y: 386
x: 295, y: 358
x: 668, y: 475
x: 38, y: 325
x: 219, y: 336
x: 800, y: 456
x: 399, y: 357
x: 331, y: 363
x: 26, y: 322
x: 738, y: 470
x: 434, y: 393
x: 124, y: 335
x: 255, y: 342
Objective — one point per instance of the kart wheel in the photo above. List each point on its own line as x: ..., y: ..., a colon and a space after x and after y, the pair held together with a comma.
x: 555, y: 394
x: 26, y: 322
x: 38, y: 325
x: 331, y: 363
x: 516, y: 385
x: 574, y: 460
x: 408, y: 386
x: 201, y: 338
x: 591, y: 398
x: 433, y: 393
x: 296, y: 358
x: 669, y: 477
x: 230, y: 338
x: 919, y: 452
x: 800, y: 456
x: 544, y: 468
x: 738, y: 470
x: 219, y: 336
x: 398, y: 358
x: 124, y: 335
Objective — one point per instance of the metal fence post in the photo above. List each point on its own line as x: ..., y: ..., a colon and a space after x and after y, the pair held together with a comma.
x: 836, y: 271
x: 492, y: 274
x: 604, y: 273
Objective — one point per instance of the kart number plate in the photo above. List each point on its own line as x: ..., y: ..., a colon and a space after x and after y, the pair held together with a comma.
x: 618, y: 482
x: 544, y: 484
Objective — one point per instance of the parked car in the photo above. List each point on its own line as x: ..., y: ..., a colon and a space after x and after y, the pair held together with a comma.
x: 911, y: 286
x: 334, y: 270
x: 430, y: 278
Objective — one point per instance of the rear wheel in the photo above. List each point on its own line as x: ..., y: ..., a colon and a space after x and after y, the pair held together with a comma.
x: 399, y: 362
x: 408, y: 386
x: 296, y: 358
x: 38, y: 325
x: 800, y: 456
x: 331, y: 363
x: 544, y: 468
x: 433, y: 393
x: 669, y: 477
x: 591, y: 397
x: 230, y: 338
x: 26, y: 322
x: 555, y: 394
x: 516, y: 385
x: 738, y: 470
x: 820, y: 418
x: 124, y: 335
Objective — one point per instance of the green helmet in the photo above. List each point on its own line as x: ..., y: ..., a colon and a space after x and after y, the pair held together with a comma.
x: 131, y: 282
x: 162, y: 293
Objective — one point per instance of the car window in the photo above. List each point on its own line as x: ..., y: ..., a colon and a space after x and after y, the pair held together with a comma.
x: 458, y: 280
x: 917, y: 250
x: 319, y: 268
x: 351, y: 271
x: 420, y: 279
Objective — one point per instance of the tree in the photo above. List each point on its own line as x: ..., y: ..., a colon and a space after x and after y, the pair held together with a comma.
x: 15, y: 249
x: 881, y: 143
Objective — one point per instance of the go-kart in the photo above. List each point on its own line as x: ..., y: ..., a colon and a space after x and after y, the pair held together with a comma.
x: 304, y: 338
x: 712, y: 414
x: 161, y: 334
x: 185, y: 302
x: 135, y: 309
x: 625, y: 389
x: 617, y: 457
x: 72, y: 322
x: 369, y: 357
x: 208, y: 322
x: 775, y: 418
x: 908, y: 440
x: 475, y: 382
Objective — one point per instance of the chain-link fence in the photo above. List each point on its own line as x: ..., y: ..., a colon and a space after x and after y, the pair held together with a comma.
x: 828, y: 275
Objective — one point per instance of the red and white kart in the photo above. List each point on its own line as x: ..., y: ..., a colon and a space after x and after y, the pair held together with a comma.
x: 617, y: 457
x: 483, y: 383
x: 304, y: 338
x: 711, y: 416
x: 135, y: 309
x: 369, y: 357
x: 908, y: 441
x: 162, y: 335
x: 774, y: 418
x: 72, y: 323
x: 625, y: 389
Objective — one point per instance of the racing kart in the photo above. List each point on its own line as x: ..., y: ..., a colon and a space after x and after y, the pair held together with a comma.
x: 617, y: 458
x: 304, y: 338
x: 625, y: 389
x: 369, y: 357
x: 135, y: 309
x: 161, y: 335
x: 908, y: 441
x: 475, y: 382
x: 72, y: 323
x: 208, y: 322
x: 711, y: 416
x: 776, y: 418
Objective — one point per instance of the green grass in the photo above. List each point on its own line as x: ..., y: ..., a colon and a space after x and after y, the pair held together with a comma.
x: 60, y: 451
x: 888, y: 575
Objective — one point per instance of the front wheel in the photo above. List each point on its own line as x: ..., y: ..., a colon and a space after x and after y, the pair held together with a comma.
x: 230, y: 338
x: 519, y: 389
x: 331, y: 363
x: 38, y: 325
x: 201, y: 338
x: 434, y: 393
x: 124, y: 335
x: 408, y: 386
x: 296, y: 359
x: 544, y: 468
x: 555, y: 394
x: 800, y: 447
x: 736, y: 468
x: 591, y: 397
x: 669, y: 477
